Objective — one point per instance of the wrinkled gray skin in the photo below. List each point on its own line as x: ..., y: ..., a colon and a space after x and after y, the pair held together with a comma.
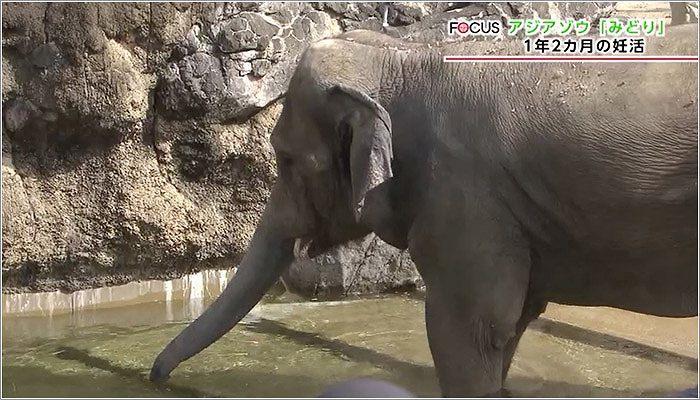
x: 511, y: 185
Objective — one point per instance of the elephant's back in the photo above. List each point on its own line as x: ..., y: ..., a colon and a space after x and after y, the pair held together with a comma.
x: 610, y: 154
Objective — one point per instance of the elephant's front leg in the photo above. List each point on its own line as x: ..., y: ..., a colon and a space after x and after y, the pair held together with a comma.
x: 477, y: 277
x: 468, y: 338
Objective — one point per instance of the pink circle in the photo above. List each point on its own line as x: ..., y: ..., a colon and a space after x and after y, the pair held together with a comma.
x: 463, y: 27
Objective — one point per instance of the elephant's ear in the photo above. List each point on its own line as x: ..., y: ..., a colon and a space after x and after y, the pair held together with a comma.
x: 370, y: 151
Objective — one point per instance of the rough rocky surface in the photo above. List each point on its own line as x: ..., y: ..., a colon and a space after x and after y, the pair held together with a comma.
x: 135, y: 135
x: 365, y: 266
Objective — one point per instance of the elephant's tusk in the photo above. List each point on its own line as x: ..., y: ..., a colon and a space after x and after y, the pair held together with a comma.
x: 301, y: 248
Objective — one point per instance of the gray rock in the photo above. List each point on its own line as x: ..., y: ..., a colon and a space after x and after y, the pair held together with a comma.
x: 277, y: 49
x: 233, y: 41
x: 243, y: 67
x: 341, y: 8
x: 283, y: 16
x: 248, y: 6
x: 260, y: 25
x: 45, y: 56
x: 17, y: 113
x: 261, y: 67
x: 236, y: 24
x: 179, y: 52
x: 364, y: 266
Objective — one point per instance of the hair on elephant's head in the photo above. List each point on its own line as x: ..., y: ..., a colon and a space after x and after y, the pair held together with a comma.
x: 333, y: 148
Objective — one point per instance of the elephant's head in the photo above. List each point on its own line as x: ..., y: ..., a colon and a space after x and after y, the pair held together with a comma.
x: 333, y: 148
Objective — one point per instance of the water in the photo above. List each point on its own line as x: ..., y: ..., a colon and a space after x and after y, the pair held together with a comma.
x: 298, y: 349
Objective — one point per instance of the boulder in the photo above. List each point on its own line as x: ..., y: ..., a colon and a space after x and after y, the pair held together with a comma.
x: 368, y: 265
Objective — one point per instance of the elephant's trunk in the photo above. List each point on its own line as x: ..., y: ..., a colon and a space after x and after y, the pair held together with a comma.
x: 269, y: 254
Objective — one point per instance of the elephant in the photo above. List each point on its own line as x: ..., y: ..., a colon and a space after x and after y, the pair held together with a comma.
x: 511, y: 185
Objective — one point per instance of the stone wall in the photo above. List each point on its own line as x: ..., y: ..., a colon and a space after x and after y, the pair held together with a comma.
x: 135, y: 135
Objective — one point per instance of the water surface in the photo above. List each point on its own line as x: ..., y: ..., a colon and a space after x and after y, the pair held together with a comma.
x: 298, y: 349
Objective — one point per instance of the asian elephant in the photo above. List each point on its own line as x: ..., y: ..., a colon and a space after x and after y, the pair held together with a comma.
x: 511, y: 185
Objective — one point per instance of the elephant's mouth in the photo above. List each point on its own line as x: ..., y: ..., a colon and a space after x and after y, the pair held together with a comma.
x: 320, y: 241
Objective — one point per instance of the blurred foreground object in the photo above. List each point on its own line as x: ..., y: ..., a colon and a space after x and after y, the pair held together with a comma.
x: 690, y: 393
x: 366, y: 388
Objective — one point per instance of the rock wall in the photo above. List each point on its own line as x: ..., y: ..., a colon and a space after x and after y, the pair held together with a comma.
x: 135, y: 135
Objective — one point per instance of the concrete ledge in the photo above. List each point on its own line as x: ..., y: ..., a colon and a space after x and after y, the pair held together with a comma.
x: 194, y: 287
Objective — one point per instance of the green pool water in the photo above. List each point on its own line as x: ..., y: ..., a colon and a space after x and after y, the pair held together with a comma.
x: 299, y: 348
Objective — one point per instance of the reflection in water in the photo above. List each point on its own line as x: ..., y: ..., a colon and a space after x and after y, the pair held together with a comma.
x: 195, y: 288
x: 298, y: 349
x: 168, y: 288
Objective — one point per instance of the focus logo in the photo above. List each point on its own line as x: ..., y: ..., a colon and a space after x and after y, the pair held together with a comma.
x: 481, y: 27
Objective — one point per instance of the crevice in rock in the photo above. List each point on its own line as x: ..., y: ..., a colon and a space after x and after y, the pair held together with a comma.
x: 148, y: 40
x: 363, y: 261
x: 149, y: 128
x: 46, y: 23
